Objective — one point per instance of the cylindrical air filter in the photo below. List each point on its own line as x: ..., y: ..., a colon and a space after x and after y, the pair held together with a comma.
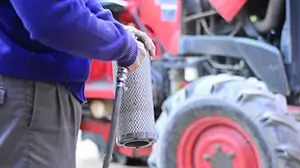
x: 136, y: 123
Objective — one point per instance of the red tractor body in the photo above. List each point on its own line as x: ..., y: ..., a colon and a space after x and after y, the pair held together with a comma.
x: 228, y: 8
x: 99, y: 83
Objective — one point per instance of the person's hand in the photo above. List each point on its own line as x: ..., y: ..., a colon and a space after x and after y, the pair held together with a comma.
x: 142, y: 54
x: 144, y: 38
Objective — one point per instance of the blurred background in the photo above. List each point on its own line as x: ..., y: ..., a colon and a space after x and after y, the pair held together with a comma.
x: 226, y: 87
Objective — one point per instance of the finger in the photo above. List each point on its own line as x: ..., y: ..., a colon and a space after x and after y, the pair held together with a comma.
x: 146, y: 40
x: 143, y: 37
x: 142, y: 49
x: 152, y: 48
x: 149, y: 45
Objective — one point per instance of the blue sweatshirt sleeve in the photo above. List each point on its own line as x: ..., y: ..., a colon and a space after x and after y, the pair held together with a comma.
x: 69, y: 26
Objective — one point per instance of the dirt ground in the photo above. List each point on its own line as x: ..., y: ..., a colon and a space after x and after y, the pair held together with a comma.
x: 96, y: 163
x: 88, y: 156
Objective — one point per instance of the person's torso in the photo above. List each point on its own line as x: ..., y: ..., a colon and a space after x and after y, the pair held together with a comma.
x: 22, y: 57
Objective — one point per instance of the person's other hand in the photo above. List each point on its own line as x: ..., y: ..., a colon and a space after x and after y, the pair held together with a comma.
x: 142, y: 54
x: 144, y: 38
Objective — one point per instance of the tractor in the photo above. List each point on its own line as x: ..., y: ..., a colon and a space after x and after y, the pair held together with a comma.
x: 226, y: 83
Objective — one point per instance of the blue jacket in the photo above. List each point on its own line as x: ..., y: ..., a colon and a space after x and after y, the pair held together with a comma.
x: 55, y: 40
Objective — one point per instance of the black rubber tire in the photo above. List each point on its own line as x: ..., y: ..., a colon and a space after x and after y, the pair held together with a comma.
x: 248, y: 102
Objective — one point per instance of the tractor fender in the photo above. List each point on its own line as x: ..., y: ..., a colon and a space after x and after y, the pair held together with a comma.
x: 262, y: 115
x: 263, y: 59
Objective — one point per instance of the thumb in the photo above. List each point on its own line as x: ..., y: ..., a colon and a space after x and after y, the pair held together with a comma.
x: 142, y: 51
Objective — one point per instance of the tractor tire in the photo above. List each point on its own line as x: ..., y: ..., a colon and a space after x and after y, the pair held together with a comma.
x: 229, y: 121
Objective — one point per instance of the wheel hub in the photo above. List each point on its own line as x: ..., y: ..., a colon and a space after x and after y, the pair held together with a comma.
x: 220, y: 159
x: 216, y: 142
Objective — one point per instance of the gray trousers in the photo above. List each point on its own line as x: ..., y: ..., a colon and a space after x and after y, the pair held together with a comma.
x: 39, y: 124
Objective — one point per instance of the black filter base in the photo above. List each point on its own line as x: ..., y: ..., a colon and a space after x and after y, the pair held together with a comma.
x: 137, y: 140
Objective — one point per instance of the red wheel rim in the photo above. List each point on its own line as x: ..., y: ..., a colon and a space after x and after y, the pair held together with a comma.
x: 205, y: 136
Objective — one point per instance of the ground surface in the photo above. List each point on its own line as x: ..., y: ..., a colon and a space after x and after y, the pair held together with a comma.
x: 96, y: 163
x: 88, y: 156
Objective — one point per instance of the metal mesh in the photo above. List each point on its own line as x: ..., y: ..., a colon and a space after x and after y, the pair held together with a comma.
x: 137, y: 113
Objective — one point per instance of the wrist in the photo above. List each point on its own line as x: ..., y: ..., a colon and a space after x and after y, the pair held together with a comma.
x: 131, y: 54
